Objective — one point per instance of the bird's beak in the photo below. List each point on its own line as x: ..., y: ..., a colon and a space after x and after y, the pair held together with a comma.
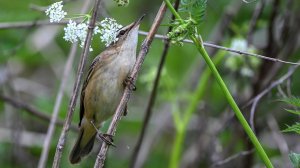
x: 138, y: 22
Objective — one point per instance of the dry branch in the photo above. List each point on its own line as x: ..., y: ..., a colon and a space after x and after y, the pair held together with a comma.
x: 72, y: 104
x: 51, y: 128
x: 152, y: 98
x: 64, y: 80
x: 140, y: 59
x: 33, y: 111
x: 257, y: 98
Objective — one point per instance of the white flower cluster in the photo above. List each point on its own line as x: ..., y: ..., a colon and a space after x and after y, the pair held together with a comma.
x: 77, y: 32
x: 237, y: 62
x: 239, y: 44
x: 109, y: 31
x: 55, y: 12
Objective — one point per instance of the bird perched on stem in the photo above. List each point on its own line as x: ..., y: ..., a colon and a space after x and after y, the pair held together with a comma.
x: 104, y: 87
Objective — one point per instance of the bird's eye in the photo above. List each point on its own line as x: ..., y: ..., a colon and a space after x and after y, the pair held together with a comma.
x: 122, y: 32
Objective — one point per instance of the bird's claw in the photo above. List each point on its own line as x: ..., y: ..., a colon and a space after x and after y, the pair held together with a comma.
x: 107, y: 138
x: 129, y: 82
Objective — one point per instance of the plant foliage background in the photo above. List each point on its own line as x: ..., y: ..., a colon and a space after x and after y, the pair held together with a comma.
x: 32, y: 60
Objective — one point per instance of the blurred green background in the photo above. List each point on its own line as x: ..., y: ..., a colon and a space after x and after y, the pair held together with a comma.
x: 32, y: 61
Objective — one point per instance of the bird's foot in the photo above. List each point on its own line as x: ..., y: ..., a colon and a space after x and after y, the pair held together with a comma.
x: 107, y: 138
x: 129, y: 82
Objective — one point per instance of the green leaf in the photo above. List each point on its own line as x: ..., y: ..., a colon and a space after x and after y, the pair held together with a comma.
x: 195, y: 8
x: 294, y: 101
x: 295, y: 159
x: 297, y: 112
x: 293, y: 128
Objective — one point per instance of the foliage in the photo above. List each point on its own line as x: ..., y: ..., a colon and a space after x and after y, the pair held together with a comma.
x: 295, y: 159
x: 181, y: 29
x: 194, y: 8
x: 35, y: 56
x: 295, y: 102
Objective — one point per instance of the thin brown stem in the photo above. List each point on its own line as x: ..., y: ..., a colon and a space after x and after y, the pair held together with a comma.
x: 72, y: 104
x: 125, y: 98
x: 59, y: 97
x: 152, y: 99
x: 26, y: 24
x: 159, y: 36
x: 207, y: 44
x: 32, y: 110
x: 257, y: 98
x: 256, y: 15
x: 231, y: 158
x: 278, y: 138
x: 51, y: 128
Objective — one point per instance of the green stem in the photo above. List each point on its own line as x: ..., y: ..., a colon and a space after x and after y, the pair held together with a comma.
x: 228, y: 96
x: 177, y: 147
x: 181, y: 126
x: 172, y: 9
x: 232, y: 103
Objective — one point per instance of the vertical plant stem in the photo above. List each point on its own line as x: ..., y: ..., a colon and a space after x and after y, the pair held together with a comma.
x: 238, y: 113
x: 72, y: 104
x: 59, y: 97
x: 232, y: 103
x: 188, y: 113
x: 126, y: 95
x: 177, y: 147
x: 152, y: 99
x: 54, y: 117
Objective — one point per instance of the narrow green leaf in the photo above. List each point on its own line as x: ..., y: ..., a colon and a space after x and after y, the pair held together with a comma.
x: 293, y: 128
x: 294, y: 101
x: 297, y: 112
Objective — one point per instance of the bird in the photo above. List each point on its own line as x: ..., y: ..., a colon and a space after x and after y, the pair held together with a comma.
x: 103, y: 88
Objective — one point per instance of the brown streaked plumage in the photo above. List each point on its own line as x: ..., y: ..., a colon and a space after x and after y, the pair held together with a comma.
x: 103, y: 88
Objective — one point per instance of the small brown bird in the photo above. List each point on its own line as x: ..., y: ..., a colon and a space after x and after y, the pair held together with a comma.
x: 103, y: 88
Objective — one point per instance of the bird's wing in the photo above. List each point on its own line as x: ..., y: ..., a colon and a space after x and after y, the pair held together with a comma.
x: 90, y: 73
x: 99, y: 61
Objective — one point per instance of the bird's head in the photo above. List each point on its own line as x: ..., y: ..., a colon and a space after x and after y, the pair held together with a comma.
x: 128, y: 35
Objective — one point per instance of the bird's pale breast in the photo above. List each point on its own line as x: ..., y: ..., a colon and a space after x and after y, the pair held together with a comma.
x: 105, y: 88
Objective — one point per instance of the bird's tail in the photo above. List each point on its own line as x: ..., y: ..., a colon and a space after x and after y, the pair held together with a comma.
x: 84, y: 143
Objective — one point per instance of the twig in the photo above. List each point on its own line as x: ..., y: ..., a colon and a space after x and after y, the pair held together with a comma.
x: 38, y: 7
x: 159, y: 36
x: 272, y: 50
x: 31, y: 110
x: 279, y: 140
x: 140, y: 59
x: 72, y: 104
x: 230, y: 158
x: 281, y: 92
x: 256, y: 14
x: 26, y: 24
x: 206, y: 139
x: 256, y: 99
x: 26, y: 138
x: 51, y: 128
x: 152, y: 99
x: 64, y: 80
x: 288, y: 87
x: 161, y: 124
